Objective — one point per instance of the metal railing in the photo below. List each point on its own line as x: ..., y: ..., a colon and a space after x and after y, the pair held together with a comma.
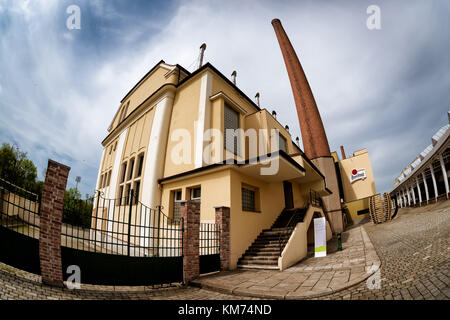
x: 314, y: 198
x: 125, y: 228
x: 295, y: 217
x: 19, y: 209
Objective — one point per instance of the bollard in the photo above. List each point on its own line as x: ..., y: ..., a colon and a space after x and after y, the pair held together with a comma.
x: 339, y: 242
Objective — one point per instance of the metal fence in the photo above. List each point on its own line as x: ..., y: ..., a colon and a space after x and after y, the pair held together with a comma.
x: 314, y: 198
x: 209, y: 238
x: 124, y: 227
x: 19, y: 209
x: 19, y: 227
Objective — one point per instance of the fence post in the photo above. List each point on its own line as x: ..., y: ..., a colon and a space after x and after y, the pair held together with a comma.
x: 223, y: 221
x: 157, y: 236
x: 190, y: 212
x: 50, y: 223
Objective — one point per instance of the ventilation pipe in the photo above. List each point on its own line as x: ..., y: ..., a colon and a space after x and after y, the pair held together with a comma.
x: 343, y: 153
x: 297, y: 140
x: 287, y: 128
x: 274, y: 114
x: 202, y: 52
x: 257, y: 98
x: 233, y: 76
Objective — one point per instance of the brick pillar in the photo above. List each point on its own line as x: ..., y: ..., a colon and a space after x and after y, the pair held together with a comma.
x: 223, y: 221
x: 190, y: 211
x: 50, y: 223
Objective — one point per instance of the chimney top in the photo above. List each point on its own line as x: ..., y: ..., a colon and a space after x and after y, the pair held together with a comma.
x: 276, y: 20
x: 343, y: 153
x: 233, y: 75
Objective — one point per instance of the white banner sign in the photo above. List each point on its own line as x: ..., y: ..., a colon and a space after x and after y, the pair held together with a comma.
x: 357, y: 175
x: 320, y: 237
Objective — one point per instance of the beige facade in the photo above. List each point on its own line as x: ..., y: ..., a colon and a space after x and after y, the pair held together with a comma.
x: 158, y: 146
x: 357, y: 183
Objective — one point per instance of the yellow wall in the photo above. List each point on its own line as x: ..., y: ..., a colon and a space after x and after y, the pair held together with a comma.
x: 184, y: 114
x: 149, y: 85
x: 354, y: 206
x: 210, y: 196
x: 360, y: 188
x: 246, y: 226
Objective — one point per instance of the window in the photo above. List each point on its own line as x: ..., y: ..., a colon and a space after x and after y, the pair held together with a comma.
x: 140, y: 164
x: 248, y: 200
x: 109, y: 178
x: 231, y: 121
x: 124, y: 172
x: 115, y: 146
x: 123, y: 113
x: 282, y: 143
x: 130, y: 180
x: 130, y: 170
x: 121, y: 202
x: 196, y: 193
x: 136, y: 188
x: 176, y: 205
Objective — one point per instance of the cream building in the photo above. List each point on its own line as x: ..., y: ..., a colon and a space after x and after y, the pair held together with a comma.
x: 168, y: 141
x: 356, y: 183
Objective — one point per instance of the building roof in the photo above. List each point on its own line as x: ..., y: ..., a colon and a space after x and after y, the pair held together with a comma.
x: 437, y: 141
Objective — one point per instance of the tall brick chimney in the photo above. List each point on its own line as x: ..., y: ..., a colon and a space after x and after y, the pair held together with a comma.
x: 315, y: 142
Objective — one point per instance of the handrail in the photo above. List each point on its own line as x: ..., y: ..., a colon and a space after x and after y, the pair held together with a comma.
x: 280, y: 242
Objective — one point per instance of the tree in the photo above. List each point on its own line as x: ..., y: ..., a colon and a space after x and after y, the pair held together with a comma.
x: 76, y: 211
x: 16, y: 168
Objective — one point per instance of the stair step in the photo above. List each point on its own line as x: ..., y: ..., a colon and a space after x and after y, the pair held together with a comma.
x: 258, y: 262
x: 263, y: 253
x: 260, y: 258
x: 257, y: 266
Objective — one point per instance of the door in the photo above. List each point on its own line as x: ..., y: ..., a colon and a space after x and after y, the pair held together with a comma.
x: 288, y: 195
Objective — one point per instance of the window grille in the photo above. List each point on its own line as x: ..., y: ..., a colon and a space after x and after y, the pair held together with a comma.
x: 231, y: 121
x: 248, y: 200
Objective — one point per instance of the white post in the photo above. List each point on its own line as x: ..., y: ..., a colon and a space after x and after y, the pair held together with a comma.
x: 444, y: 173
x: 434, y: 182
x: 413, y: 194
x: 409, y: 197
x: 399, y: 199
x: 425, y: 185
x: 404, y: 198
x: 418, y: 190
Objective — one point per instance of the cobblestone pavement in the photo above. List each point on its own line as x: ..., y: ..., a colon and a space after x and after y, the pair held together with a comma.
x: 414, y: 250
x: 312, y: 277
x: 15, y: 285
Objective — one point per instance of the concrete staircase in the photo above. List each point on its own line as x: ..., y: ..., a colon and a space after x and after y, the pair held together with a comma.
x: 265, y: 250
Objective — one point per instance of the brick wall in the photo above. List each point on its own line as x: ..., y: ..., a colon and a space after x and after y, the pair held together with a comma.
x: 50, y: 223
x: 223, y: 221
x: 190, y: 211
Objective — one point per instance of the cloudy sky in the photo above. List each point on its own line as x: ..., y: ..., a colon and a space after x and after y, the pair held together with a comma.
x: 385, y: 90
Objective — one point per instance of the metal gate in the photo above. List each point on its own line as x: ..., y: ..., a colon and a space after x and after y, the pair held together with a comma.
x: 127, y: 243
x: 19, y: 227
x: 209, y: 247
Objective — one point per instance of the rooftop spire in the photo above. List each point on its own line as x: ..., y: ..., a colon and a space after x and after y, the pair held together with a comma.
x: 314, y: 138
